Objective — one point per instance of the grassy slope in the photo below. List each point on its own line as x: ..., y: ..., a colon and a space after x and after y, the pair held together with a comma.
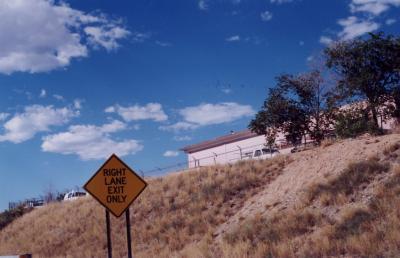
x: 174, y: 211
x: 353, y: 212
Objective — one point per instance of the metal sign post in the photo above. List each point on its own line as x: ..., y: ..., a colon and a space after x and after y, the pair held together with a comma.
x: 109, y: 246
x: 128, y: 233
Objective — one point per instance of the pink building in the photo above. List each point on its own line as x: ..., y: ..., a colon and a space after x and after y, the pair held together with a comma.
x: 231, y: 148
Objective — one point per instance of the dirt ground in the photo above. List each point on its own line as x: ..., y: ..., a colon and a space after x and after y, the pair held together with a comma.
x: 307, y: 168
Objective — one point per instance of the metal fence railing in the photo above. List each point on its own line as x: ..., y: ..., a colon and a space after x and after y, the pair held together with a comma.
x: 242, y: 153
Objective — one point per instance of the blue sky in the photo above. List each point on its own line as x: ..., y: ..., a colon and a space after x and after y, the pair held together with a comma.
x: 83, y: 79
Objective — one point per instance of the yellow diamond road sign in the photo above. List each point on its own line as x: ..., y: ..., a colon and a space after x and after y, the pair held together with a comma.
x: 115, y: 185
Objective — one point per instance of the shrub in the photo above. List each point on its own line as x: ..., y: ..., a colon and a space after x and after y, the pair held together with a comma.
x: 9, y: 216
x: 353, y: 124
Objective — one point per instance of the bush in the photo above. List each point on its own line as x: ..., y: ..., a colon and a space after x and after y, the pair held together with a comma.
x: 353, y: 124
x: 9, y: 216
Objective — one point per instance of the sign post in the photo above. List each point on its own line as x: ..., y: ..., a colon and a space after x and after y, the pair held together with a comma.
x: 116, y: 186
x: 128, y: 233
x: 109, y: 245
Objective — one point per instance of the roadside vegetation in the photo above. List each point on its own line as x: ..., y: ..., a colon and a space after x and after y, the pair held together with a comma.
x: 173, y: 212
x: 9, y: 216
x: 353, y: 215
x: 354, y: 91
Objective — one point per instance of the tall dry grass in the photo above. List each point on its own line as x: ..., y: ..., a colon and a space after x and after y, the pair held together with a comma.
x: 174, y: 212
x: 369, y: 227
x: 353, y: 214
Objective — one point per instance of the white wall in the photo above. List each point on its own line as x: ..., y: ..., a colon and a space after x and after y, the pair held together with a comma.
x: 227, y: 153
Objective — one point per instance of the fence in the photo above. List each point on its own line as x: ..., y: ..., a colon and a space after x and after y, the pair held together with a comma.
x: 232, y: 156
x: 28, y: 203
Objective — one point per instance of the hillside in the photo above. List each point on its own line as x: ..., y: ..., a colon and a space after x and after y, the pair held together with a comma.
x: 335, y: 200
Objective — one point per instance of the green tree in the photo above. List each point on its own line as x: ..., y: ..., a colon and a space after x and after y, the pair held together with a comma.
x: 369, y: 70
x: 295, y: 106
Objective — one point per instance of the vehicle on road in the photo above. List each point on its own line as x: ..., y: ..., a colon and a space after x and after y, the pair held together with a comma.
x: 73, y: 195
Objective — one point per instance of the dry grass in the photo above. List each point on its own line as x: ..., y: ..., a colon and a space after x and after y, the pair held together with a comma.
x: 356, y: 230
x: 337, y: 190
x: 328, y: 142
x: 352, y: 214
x: 175, y: 211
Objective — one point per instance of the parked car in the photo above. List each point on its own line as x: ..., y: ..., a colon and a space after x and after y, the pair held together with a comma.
x: 262, y: 153
x: 73, y: 195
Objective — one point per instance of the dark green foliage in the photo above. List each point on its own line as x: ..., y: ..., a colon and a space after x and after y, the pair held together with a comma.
x: 9, y: 216
x: 296, y: 106
x: 353, y: 124
x: 369, y: 70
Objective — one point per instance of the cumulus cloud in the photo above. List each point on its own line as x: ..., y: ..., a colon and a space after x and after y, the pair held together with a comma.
x: 325, y: 40
x: 151, y: 111
x: 390, y: 21
x: 4, y: 116
x: 179, y: 126
x: 209, y: 114
x: 373, y: 7
x: 182, y: 138
x: 91, y: 142
x: 203, y: 5
x: 280, y: 1
x: 233, y: 38
x: 78, y: 103
x: 42, y: 93
x: 354, y: 27
x: 50, y: 34
x: 170, y: 153
x: 58, y: 97
x: 24, y: 126
x: 266, y: 16
x: 105, y: 36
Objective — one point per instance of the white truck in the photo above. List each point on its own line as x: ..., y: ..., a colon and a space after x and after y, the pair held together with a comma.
x: 261, y: 153
x: 73, y: 195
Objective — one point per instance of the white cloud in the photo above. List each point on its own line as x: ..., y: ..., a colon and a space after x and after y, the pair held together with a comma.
x: 170, y: 153
x: 140, y: 36
x: 266, y: 16
x: 106, y: 36
x: 233, y: 38
x: 78, y: 103
x: 325, y: 40
x: 354, y: 27
x: 209, y: 114
x: 374, y: 7
x: 91, y: 142
x: 179, y: 126
x: 163, y: 44
x: 151, y: 111
x: 203, y: 5
x: 35, y: 119
x: 280, y: 1
x: 390, y: 21
x: 182, y: 138
x: 226, y: 90
x: 58, y: 97
x: 42, y: 93
x: 50, y: 34
x: 4, y: 116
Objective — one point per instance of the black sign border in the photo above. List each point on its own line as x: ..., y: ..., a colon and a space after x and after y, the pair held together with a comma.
x: 131, y: 170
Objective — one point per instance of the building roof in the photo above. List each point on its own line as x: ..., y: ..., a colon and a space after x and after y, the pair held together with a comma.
x: 233, y: 137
